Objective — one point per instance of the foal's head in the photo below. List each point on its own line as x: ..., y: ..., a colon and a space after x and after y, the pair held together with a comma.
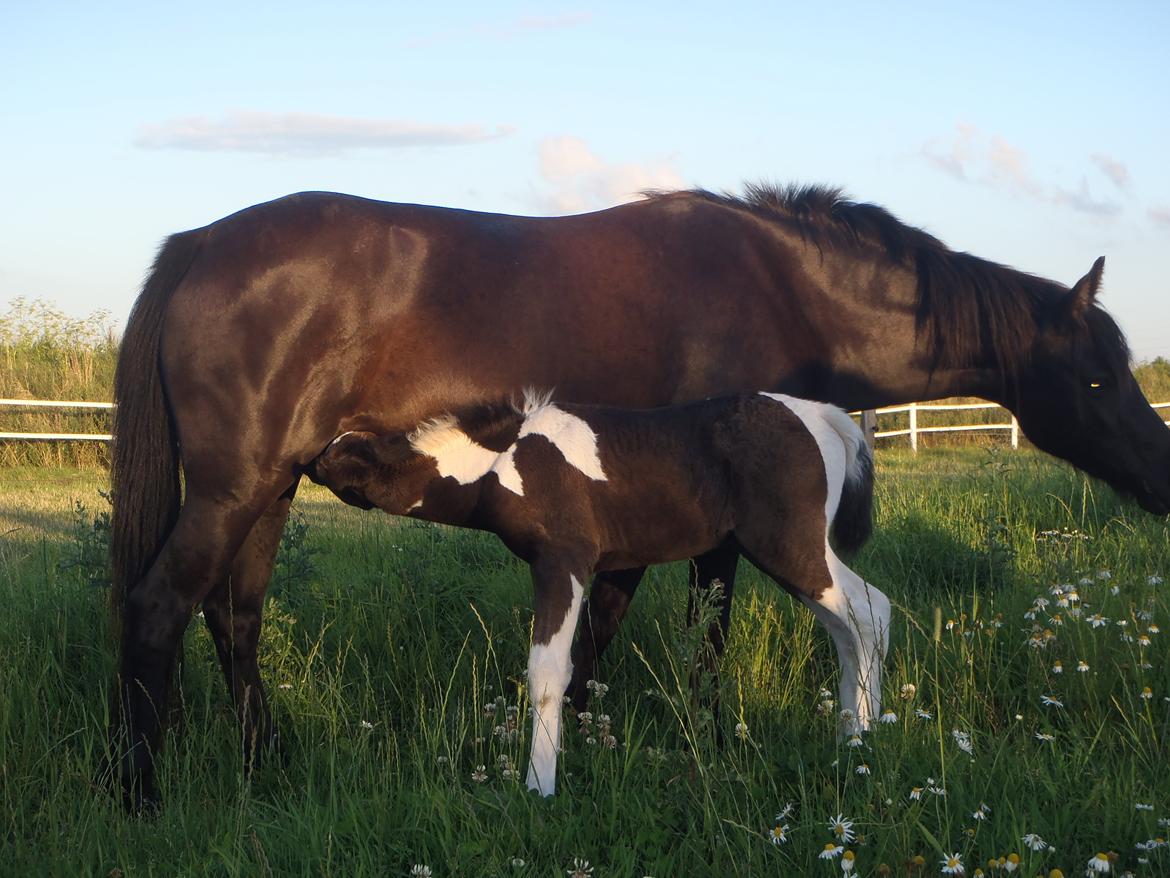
x: 371, y: 470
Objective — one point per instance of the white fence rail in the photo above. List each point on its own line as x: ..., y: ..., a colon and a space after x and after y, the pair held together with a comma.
x: 912, y: 410
x: 55, y: 404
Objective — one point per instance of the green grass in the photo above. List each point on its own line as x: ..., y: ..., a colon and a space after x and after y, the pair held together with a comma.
x: 422, y: 632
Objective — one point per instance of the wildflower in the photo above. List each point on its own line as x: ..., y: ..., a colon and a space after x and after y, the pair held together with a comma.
x: 855, y: 741
x: 1050, y: 701
x: 1082, y: 667
x: 824, y: 694
x: 825, y: 708
x: 952, y: 865
x: 982, y: 811
x: 1141, y: 806
x: 1154, y: 580
x: 937, y: 791
x: 480, y: 774
x: 419, y: 870
x: 1010, y: 863
x: 1045, y: 737
x: 917, y: 861
x: 518, y: 862
x: 285, y: 685
x: 908, y: 691
x: 598, y: 689
x: 841, y: 828
x: 1033, y: 842
x: 888, y: 717
x: 785, y: 812
x: 1146, y: 694
x: 831, y: 851
x: 863, y: 768
x: 1097, y: 620
x: 1099, y: 862
x: 1056, y: 873
x: 1143, y: 640
x: 779, y: 834
x: 1153, y: 629
x: 581, y: 869
x: 1057, y: 667
x: 366, y: 725
x: 963, y: 741
x: 741, y: 731
x: 847, y: 861
x: 922, y: 714
x: 915, y: 794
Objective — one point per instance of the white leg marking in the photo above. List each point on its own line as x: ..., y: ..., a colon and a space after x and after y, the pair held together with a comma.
x: 857, y: 616
x: 549, y: 670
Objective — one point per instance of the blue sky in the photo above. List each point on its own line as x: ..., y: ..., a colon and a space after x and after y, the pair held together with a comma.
x: 1033, y: 134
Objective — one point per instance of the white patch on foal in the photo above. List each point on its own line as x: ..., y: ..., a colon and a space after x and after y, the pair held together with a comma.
x: 549, y: 670
x: 459, y: 457
x: 571, y: 436
x: 856, y: 614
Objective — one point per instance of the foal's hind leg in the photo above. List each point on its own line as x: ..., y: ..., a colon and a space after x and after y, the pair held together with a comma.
x: 857, y: 616
x: 233, y: 612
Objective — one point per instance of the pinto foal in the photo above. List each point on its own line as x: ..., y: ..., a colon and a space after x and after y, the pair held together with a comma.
x: 567, y: 488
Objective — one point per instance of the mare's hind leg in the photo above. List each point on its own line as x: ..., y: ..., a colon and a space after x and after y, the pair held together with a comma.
x: 233, y: 612
x: 857, y: 616
x: 197, y: 555
x: 609, y: 598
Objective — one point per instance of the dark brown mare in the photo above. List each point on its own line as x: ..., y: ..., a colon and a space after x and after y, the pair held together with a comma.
x: 568, y: 488
x: 258, y: 339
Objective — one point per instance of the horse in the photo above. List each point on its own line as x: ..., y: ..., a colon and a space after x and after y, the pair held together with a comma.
x: 570, y: 492
x: 259, y: 338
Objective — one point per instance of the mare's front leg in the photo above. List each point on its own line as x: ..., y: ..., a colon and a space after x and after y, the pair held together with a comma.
x: 609, y: 598
x: 558, y: 584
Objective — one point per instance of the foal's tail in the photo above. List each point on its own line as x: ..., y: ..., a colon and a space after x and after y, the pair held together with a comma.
x: 853, y: 523
x: 144, y: 474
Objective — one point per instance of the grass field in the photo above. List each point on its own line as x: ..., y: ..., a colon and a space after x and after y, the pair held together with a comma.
x: 395, y: 655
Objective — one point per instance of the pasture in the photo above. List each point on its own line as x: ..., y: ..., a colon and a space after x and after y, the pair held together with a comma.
x: 1028, y: 678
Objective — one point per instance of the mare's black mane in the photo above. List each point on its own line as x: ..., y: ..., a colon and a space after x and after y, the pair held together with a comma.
x: 970, y: 308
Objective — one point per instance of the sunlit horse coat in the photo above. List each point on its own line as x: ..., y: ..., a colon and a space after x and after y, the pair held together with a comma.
x: 576, y: 489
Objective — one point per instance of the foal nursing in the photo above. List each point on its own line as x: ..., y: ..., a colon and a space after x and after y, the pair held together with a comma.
x: 576, y: 489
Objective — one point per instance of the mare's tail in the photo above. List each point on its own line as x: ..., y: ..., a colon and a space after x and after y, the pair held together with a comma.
x: 145, y: 469
x: 853, y: 523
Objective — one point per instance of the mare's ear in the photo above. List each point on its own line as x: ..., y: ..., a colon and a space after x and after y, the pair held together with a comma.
x: 1084, y: 291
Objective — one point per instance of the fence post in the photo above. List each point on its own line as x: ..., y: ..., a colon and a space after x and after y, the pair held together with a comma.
x: 914, y: 427
x: 869, y: 427
x: 1015, y: 432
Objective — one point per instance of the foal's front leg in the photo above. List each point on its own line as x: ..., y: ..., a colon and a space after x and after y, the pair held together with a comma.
x: 558, y: 588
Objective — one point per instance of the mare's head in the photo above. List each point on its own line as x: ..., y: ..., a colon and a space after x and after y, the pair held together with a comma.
x: 370, y: 470
x: 1076, y: 398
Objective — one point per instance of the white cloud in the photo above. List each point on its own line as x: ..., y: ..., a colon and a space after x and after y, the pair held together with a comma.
x: 973, y: 158
x: 305, y: 134
x: 581, y: 180
x: 1112, y: 168
x: 1160, y: 215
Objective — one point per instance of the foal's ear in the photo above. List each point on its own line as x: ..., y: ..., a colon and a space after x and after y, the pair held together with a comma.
x: 1084, y: 291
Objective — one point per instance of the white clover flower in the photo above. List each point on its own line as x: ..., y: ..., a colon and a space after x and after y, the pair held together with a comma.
x: 741, y: 731
x: 480, y: 774
x: 419, y: 870
x: 1154, y: 580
